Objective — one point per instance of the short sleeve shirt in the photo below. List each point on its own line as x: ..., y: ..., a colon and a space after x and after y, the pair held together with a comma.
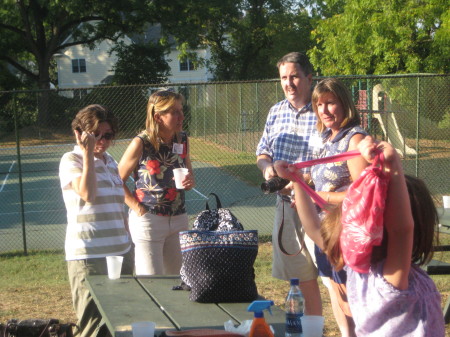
x: 380, y: 309
x: 94, y: 229
x: 290, y: 134
x: 153, y: 176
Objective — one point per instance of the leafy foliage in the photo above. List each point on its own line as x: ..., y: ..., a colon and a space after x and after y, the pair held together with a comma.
x: 367, y: 37
x: 32, y: 32
x: 140, y: 64
x: 245, y: 38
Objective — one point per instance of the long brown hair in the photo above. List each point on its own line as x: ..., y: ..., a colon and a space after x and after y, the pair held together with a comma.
x: 330, y: 231
x: 426, y: 220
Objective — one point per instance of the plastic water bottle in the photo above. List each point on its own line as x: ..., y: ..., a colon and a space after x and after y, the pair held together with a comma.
x: 294, y: 310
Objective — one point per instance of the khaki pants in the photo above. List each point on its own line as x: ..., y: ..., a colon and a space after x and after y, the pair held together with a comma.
x: 157, y: 242
x: 285, y: 267
x: 90, y: 322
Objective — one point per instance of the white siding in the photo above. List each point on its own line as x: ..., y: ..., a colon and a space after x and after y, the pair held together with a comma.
x: 198, y: 75
x: 98, y: 65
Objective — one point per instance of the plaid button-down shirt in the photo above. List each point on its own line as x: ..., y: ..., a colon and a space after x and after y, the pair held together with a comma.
x: 290, y: 134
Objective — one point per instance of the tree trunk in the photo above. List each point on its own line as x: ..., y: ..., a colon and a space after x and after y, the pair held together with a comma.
x: 44, y: 96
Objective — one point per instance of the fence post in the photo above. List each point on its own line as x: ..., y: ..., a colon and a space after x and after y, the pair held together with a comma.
x: 417, y: 125
x: 19, y: 163
x: 215, y: 113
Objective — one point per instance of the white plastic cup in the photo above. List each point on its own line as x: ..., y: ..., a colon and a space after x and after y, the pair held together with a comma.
x: 179, y: 175
x: 312, y: 325
x: 114, y: 264
x: 446, y: 200
x: 143, y: 329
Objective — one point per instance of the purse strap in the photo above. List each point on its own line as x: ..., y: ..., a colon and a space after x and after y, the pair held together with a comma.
x: 280, y: 238
x: 218, y: 203
x: 313, y: 194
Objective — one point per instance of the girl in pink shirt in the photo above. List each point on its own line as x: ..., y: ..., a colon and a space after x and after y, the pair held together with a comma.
x: 395, y: 297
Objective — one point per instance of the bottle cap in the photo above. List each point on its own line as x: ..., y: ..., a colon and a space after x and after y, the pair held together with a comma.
x: 294, y: 281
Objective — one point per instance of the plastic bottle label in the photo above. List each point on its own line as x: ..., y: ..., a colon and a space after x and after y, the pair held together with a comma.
x: 293, y: 323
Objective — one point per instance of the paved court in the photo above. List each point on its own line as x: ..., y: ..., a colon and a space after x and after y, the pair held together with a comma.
x: 44, y: 214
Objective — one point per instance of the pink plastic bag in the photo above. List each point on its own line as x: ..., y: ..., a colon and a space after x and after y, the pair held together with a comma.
x: 362, y: 216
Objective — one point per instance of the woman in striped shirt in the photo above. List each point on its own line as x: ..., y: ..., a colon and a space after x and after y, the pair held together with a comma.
x: 94, y: 198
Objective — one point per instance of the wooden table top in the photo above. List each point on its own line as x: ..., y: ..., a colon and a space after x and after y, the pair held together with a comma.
x: 129, y: 299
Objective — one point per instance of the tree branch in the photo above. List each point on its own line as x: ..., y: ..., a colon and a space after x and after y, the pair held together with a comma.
x: 13, y: 29
x: 19, y: 67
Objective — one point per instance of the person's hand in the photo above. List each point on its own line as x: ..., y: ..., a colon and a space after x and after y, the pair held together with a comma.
x: 188, y: 181
x: 269, y: 172
x: 286, y: 170
x: 140, y: 210
x: 369, y: 147
x: 86, y: 140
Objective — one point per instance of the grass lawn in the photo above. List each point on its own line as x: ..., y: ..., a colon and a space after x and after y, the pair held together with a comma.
x: 36, y: 286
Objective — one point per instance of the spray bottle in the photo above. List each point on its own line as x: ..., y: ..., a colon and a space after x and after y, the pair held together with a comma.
x: 259, y: 326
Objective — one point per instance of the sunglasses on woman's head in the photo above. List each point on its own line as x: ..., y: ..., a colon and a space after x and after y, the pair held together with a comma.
x: 164, y: 92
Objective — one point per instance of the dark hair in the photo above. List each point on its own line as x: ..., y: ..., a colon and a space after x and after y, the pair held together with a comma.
x: 341, y: 92
x: 426, y: 220
x: 88, y: 119
x: 299, y: 58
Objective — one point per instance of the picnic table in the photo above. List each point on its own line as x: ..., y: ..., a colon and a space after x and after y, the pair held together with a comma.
x: 151, y: 298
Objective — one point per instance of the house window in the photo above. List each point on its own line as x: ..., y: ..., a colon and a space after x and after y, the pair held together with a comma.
x: 79, y: 66
x: 187, y: 65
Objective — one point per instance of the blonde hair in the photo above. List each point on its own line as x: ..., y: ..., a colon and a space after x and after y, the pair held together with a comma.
x: 330, y: 231
x: 161, y: 102
x: 338, y: 89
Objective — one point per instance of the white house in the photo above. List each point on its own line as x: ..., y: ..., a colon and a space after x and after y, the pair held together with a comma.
x: 81, y: 67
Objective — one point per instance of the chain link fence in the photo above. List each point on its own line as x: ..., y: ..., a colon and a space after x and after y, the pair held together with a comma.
x: 224, y: 121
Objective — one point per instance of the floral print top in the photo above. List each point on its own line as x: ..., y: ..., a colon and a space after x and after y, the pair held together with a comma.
x: 335, y: 177
x: 153, y: 176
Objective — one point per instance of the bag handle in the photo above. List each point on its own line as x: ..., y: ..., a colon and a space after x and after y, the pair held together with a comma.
x: 218, y: 203
x: 280, y: 239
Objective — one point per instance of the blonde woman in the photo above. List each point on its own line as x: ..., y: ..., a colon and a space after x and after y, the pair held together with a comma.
x: 157, y: 209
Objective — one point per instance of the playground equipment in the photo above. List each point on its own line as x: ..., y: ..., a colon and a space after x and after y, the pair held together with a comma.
x: 382, y: 111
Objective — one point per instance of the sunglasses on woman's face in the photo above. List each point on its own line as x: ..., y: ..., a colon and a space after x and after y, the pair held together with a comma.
x: 106, y: 136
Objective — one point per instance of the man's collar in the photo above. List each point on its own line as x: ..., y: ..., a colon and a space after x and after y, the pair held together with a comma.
x: 306, y: 108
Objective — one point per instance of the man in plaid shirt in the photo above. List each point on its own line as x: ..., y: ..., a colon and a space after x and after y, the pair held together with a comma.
x: 290, y: 134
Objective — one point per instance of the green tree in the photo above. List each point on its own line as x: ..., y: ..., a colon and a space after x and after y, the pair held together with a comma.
x: 140, y: 64
x: 33, y: 31
x: 245, y: 38
x: 367, y: 37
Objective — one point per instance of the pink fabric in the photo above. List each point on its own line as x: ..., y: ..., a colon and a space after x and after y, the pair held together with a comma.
x: 362, y: 216
x: 338, y: 157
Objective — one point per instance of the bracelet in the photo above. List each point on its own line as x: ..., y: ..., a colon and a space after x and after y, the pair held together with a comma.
x: 328, y: 198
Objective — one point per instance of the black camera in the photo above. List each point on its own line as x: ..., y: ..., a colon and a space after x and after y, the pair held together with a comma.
x: 273, y: 185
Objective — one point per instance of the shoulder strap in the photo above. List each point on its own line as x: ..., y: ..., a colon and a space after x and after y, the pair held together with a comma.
x: 280, y: 238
